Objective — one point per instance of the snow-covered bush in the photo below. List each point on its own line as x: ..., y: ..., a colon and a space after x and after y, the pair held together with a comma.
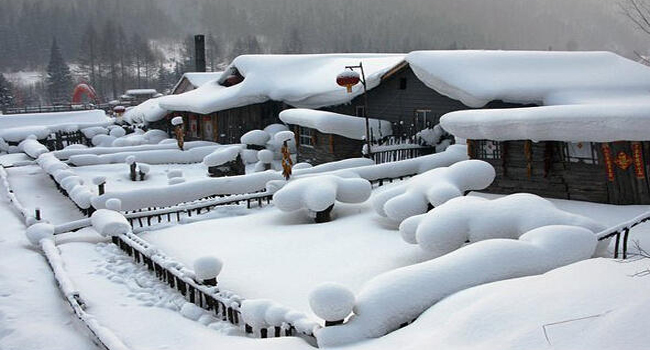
x: 432, y: 189
x: 401, y: 295
x: 109, y: 223
x: 447, y: 227
x: 207, y: 268
x: 331, y: 302
x: 117, y: 132
x: 32, y: 147
x: 38, y: 232
x: 319, y: 193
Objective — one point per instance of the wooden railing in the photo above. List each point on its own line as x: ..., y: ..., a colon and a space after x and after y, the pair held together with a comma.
x: 66, y: 107
x: 624, y: 231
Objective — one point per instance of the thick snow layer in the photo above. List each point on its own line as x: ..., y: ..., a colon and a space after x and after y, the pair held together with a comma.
x: 401, y: 295
x: 177, y: 121
x: 38, y: 232
x: 147, y: 111
x: 331, y: 301
x: 528, y: 77
x: 304, y: 81
x: 222, y: 156
x: 110, y: 223
x: 198, y: 79
x: 207, y: 267
x: 573, y: 123
x: 18, y: 127
x: 334, y: 123
x: 433, y: 187
x: 253, y: 312
x: 255, y: 137
x: 282, y: 136
x: 32, y: 147
x: 67, y: 153
x: 317, y: 193
x: 447, y: 227
x: 156, y: 156
x: 135, y: 92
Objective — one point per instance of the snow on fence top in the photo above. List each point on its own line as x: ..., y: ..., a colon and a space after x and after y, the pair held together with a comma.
x: 333, y: 123
x: 307, y: 81
x: 18, y: 127
x: 478, y: 77
x: 571, y: 123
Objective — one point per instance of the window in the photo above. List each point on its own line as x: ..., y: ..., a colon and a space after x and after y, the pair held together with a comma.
x: 402, y: 83
x: 580, y: 152
x: 423, y: 119
x: 360, y: 111
x: 487, y: 149
x: 306, y: 137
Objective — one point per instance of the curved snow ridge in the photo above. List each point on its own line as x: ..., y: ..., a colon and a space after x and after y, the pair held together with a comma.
x: 401, y: 295
x: 9, y: 192
x: 67, y: 179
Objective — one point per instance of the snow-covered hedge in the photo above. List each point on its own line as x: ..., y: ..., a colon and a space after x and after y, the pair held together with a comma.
x: 318, y: 193
x: 32, y: 147
x: 160, y: 156
x: 67, y: 179
x: 434, y: 188
x: 401, y: 295
x: 447, y: 227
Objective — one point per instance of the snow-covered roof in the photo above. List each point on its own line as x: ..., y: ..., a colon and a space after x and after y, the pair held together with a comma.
x: 528, y: 77
x: 304, y: 81
x: 333, y: 123
x: 147, y: 111
x: 17, y: 127
x: 571, y: 123
x: 198, y: 79
x: 136, y: 92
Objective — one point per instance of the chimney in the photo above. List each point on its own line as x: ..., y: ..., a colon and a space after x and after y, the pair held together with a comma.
x: 199, y: 52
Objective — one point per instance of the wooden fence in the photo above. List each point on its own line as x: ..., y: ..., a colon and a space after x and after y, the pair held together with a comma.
x: 623, y: 231
x: 62, y: 139
x: 66, y: 107
x: 395, y: 148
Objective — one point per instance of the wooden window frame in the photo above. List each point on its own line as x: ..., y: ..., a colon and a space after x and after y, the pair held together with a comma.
x: 480, y: 149
x: 568, y: 158
x: 306, y: 136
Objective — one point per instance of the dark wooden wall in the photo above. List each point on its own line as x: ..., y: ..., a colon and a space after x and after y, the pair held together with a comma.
x: 554, y: 176
x: 327, y: 148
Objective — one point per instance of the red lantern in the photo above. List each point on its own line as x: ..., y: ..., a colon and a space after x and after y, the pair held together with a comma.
x: 119, y: 109
x: 348, y: 78
x: 233, y: 80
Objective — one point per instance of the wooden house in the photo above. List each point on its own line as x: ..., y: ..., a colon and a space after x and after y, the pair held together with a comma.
x: 193, y: 80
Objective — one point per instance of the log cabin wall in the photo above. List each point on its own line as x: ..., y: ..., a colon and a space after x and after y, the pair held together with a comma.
x: 554, y: 172
x: 325, y: 148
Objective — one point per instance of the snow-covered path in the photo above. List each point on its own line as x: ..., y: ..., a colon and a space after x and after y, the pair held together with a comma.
x: 33, y: 314
x: 34, y: 188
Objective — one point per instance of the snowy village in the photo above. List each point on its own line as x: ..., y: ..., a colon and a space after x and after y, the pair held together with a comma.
x: 400, y: 195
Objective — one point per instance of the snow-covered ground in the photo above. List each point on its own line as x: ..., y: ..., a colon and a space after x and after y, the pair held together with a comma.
x: 117, y: 175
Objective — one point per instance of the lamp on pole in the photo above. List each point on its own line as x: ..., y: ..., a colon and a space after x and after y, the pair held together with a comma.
x: 349, y: 78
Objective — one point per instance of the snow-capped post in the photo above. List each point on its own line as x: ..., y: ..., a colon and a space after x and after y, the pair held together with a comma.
x: 143, y: 170
x: 37, y: 214
x: 100, y: 182
x: 130, y: 160
x: 177, y: 122
x: 332, y: 302
x: 350, y: 78
x: 207, y: 269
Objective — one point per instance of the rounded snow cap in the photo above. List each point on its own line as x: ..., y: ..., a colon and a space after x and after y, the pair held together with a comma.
x: 143, y: 168
x: 98, y: 180
x: 177, y: 121
x: 283, y: 136
x: 275, y: 315
x: 38, y: 232
x: 207, y: 267
x: 130, y: 159
x: 265, y: 156
x: 114, y: 204
x: 331, y: 301
x: 253, y: 311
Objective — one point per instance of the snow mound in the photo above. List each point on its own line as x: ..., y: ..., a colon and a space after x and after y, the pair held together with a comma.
x: 176, y: 181
x: 129, y: 160
x: 401, y: 295
x: 154, y: 156
x: 191, y: 311
x: 114, y: 204
x: 222, y: 156
x: 102, y: 140
x: 38, y: 232
x: 255, y: 137
x: 265, y: 156
x: 144, y: 168
x: 174, y: 173
x: 94, y: 131
x: 276, y: 315
x: 253, y: 312
x: 98, y: 180
x: 282, y: 136
x: 32, y: 147
x: 433, y: 187
x: 449, y: 226
x: 109, y: 223
x: 117, y: 132
x: 331, y: 301
x: 320, y: 192
x: 299, y: 166
x: 207, y: 267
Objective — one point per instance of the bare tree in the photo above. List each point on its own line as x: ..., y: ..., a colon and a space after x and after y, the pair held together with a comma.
x: 638, y: 11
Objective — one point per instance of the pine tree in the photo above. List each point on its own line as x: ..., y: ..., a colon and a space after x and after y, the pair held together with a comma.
x: 6, y: 94
x: 59, y: 79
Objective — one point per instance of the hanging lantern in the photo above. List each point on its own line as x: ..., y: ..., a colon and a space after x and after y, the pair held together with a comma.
x: 348, y: 78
